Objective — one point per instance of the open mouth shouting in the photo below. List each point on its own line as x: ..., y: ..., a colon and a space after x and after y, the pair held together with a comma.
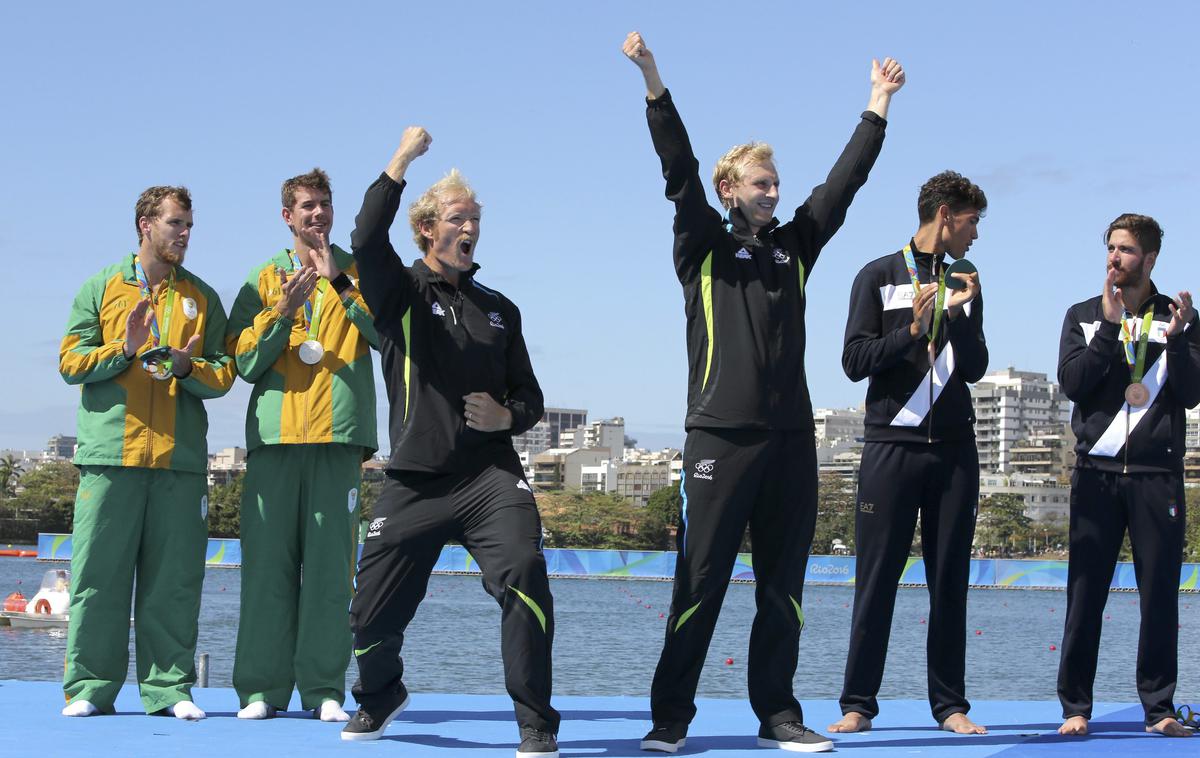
x: 465, y: 250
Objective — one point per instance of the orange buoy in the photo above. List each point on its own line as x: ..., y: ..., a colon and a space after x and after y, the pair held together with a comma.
x: 15, y: 602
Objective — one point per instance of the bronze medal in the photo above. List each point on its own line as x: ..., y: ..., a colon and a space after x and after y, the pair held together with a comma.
x: 1137, y: 395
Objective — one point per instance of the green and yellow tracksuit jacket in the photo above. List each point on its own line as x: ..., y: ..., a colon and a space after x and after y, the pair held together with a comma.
x: 294, y: 402
x: 126, y: 417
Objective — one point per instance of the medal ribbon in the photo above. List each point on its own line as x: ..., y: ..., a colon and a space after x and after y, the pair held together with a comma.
x: 1137, y: 364
x: 312, y: 313
x: 940, y: 302
x: 168, y: 307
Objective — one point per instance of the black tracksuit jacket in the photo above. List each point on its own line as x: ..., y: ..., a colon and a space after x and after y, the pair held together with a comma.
x: 744, y: 294
x: 438, y: 343
x: 878, y: 345
x: 1093, y: 372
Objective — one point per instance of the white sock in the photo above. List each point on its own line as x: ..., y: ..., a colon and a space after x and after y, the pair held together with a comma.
x: 186, y: 709
x: 257, y: 710
x: 330, y: 710
x: 80, y: 708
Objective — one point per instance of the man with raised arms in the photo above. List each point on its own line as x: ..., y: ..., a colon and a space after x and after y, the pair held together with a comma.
x: 301, y: 334
x: 146, y: 341
x: 916, y: 332
x: 750, y: 455
x: 460, y: 384
x: 1129, y: 359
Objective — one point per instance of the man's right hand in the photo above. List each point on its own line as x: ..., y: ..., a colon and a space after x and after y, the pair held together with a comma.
x: 295, y: 291
x: 413, y: 144
x: 1111, y: 300
x: 137, y: 328
x: 635, y: 50
x: 923, y: 305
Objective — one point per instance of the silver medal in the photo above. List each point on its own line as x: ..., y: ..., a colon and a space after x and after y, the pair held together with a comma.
x: 311, y: 352
x: 158, y: 370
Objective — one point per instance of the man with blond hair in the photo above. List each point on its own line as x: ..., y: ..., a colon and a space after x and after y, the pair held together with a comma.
x: 750, y: 454
x: 460, y: 385
x: 146, y: 343
x: 301, y: 334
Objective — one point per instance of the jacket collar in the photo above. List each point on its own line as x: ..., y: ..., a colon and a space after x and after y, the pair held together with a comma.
x: 429, y: 276
x: 917, y: 252
x: 737, y: 225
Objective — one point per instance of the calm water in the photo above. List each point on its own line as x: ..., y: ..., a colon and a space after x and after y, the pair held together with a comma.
x: 609, y: 633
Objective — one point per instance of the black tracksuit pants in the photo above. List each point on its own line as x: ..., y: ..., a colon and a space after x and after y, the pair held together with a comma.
x: 731, y: 478
x: 493, y: 515
x: 1103, y: 504
x: 897, y: 481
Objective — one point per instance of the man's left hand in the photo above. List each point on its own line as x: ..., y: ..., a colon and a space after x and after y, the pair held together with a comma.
x: 181, y: 360
x: 321, y: 256
x: 959, y: 298
x: 1182, y: 312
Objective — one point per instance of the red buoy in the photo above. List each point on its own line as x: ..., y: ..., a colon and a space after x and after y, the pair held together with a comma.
x: 728, y: 661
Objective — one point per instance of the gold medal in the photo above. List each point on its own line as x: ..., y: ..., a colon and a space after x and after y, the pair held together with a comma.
x: 311, y: 352
x: 1137, y: 395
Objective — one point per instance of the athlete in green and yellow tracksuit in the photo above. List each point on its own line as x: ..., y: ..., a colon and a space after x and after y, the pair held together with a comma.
x: 142, y: 503
x: 310, y: 425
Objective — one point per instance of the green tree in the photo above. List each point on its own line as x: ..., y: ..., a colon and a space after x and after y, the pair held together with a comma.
x: 596, y: 520
x: 225, y: 508
x: 836, y: 499
x: 48, y: 496
x: 661, y: 518
x: 368, y: 493
x: 1191, y: 537
x: 9, y: 473
x: 1002, y: 524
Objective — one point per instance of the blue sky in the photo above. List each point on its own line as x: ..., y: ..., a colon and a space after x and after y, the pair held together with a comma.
x: 1066, y: 113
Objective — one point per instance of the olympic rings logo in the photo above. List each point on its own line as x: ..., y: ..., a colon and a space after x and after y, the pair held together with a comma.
x: 705, y: 467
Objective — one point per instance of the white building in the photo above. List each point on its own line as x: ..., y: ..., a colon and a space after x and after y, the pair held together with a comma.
x: 1044, y: 499
x: 600, y: 477
x: 534, y: 440
x: 1191, y: 452
x: 225, y: 464
x: 608, y: 434
x: 545, y: 434
x: 839, y: 424
x: 1009, y: 404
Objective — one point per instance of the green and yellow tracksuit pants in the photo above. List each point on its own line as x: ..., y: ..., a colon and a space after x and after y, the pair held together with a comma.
x: 152, y: 523
x: 299, y: 523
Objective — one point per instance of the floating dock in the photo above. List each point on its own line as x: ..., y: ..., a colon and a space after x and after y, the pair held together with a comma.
x: 482, y: 726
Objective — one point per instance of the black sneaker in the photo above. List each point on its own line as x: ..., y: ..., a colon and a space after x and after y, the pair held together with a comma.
x: 369, y: 724
x: 535, y: 742
x: 794, y: 736
x: 665, y: 738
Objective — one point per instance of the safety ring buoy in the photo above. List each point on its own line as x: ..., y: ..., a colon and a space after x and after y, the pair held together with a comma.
x: 42, y: 606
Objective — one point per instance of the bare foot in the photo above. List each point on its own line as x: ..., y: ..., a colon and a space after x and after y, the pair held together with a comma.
x: 960, y: 724
x: 1075, y: 726
x: 1169, y: 727
x: 851, y: 722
